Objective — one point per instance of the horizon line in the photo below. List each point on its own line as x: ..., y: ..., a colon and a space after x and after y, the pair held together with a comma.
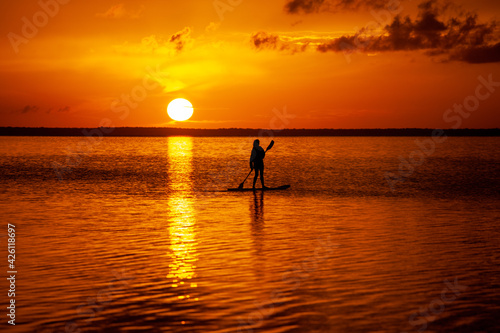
x: 256, y: 129
x: 241, y: 132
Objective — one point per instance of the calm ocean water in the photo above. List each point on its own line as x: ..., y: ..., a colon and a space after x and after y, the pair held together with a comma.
x: 139, y: 235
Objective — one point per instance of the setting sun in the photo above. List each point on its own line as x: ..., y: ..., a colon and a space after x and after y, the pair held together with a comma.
x: 180, y: 109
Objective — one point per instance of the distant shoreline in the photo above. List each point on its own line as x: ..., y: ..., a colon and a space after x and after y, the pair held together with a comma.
x: 236, y: 132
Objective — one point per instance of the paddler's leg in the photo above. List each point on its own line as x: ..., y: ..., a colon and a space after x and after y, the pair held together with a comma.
x: 262, y: 176
x: 255, y: 177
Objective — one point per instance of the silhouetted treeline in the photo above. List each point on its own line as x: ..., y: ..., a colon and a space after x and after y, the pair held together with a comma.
x: 165, y: 131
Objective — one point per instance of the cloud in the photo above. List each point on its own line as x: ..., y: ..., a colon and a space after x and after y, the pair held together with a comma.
x: 316, y: 6
x: 262, y: 40
x: 28, y: 109
x: 119, y: 11
x: 458, y: 38
x: 61, y: 109
x: 306, y: 6
x: 478, y: 55
x: 181, y: 38
x: 212, y: 27
x: 158, y: 45
x: 36, y: 108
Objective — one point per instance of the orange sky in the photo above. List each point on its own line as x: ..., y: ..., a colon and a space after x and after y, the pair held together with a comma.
x: 270, y: 64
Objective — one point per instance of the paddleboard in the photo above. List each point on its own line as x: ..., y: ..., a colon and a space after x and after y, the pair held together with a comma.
x: 283, y: 187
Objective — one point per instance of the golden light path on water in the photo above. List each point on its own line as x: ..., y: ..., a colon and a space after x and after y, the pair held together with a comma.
x: 181, y: 225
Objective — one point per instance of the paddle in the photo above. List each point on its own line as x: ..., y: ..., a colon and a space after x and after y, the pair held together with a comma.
x: 271, y: 144
x: 268, y: 147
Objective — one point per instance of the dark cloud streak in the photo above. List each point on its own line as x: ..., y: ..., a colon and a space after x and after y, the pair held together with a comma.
x: 478, y: 55
x: 263, y: 40
x: 28, y: 109
x: 35, y: 109
x: 316, y: 6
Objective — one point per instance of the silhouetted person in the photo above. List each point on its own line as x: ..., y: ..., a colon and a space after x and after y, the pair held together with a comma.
x: 257, y: 162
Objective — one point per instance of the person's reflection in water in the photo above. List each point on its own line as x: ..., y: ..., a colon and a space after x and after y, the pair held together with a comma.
x: 257, y: 219
x: 258, y: 212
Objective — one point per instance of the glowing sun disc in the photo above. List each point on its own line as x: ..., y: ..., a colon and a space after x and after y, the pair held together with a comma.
x: 180, y: 109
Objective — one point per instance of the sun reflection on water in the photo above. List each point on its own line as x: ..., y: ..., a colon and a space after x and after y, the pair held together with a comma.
x: 181, y: 227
